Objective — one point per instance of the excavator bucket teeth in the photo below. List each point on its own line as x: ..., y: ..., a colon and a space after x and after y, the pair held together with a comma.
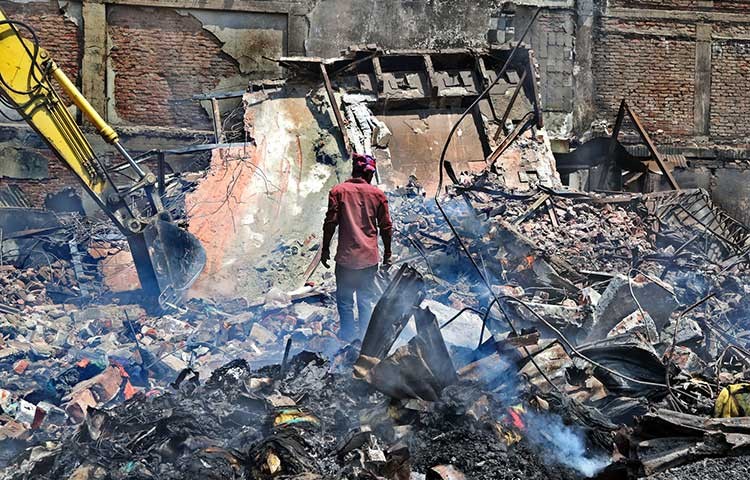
x: 177, y: 258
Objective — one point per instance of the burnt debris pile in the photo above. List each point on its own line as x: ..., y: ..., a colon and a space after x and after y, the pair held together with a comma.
x: 543, y: 333
x: 302, y: 420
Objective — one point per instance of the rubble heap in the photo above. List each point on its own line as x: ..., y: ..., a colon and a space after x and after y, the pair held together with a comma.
x: 29, y: 286
x: 610, y: 325
x: 300, y: 420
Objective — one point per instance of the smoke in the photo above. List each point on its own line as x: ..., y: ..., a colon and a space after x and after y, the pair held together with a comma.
x: 558, y: 443
x: 566, y: 444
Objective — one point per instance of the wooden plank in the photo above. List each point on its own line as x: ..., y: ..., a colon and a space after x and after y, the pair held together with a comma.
x: 335, y: 106
x: 510, y: 105
x: 658, y: 157
x: 216, y: 117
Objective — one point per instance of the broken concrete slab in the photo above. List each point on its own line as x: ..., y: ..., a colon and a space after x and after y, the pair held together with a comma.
x: 617, y: 302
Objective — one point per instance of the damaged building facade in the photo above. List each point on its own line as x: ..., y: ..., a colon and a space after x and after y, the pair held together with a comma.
x: 679, y: 64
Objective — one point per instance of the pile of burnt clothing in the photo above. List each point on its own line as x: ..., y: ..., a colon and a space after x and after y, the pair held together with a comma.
x: 303, y: 419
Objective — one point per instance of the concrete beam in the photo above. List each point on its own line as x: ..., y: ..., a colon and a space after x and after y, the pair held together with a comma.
x: 255, y: 6
x: 94, y: 63
x: 679, y: 15
x: 702, y: 106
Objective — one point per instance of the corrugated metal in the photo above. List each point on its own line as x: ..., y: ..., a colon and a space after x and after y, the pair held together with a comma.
x: 671, y: 154
x: 695, y: 209
x: 12, y: 196
x: 677, y: 160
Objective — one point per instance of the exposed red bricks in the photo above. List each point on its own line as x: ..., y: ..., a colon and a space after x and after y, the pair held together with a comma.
x: 656, y: 75
x: 161, y: 57
x: 730, y: 102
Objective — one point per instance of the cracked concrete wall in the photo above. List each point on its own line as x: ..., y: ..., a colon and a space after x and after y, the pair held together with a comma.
x: 554, y: 40
x: 336, y: 24
x: 248, y: 38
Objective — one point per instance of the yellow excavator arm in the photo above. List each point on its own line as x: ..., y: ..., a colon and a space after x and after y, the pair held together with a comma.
x: 168, y: 259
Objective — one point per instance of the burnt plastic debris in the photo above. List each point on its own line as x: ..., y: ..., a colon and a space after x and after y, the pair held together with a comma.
x: 313, y: 423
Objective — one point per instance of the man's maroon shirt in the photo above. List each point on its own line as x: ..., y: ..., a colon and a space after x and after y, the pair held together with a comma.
x: 359, y: 209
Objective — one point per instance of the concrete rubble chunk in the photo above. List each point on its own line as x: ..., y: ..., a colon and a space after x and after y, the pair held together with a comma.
x: 617, y: 302
x: 261, y: 334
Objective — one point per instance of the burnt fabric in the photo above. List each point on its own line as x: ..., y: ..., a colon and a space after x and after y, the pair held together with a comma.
x: 359, y: 210
x: 348, y: 283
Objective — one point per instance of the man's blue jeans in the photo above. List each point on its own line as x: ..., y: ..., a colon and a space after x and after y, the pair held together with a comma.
x: 348, y: 283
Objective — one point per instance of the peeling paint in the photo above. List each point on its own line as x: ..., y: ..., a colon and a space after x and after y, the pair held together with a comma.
x: 72, y: 11
x: 249, y: 47
x: 247, y: 37
x: 277, y: 196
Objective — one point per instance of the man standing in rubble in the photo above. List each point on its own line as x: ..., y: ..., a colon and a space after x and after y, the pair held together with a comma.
x: 360, y: 210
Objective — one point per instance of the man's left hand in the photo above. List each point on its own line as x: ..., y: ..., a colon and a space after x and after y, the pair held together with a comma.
x: 325, y: 255
x: 387, y: 263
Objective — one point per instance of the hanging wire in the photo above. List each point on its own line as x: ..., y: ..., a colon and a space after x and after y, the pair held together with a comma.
x: 452, y: 227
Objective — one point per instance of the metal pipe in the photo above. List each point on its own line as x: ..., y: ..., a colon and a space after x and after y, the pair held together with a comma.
x: 107, y: 132
x: 161, y: 174
x: 133, y: 164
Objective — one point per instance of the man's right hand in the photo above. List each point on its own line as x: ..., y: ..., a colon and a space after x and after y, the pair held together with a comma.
x: 325, y: 255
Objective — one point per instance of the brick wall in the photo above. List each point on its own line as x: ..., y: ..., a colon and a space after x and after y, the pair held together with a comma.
x: 738, y: 6
x: 658, y: 4
x: 732, y: 6
x: 56, y: 33
x: 160, y: 57
x: 730, y: 101
x: 655, y: 74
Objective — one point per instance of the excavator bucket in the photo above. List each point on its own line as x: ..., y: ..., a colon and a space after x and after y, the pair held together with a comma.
x: 169, y: 260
